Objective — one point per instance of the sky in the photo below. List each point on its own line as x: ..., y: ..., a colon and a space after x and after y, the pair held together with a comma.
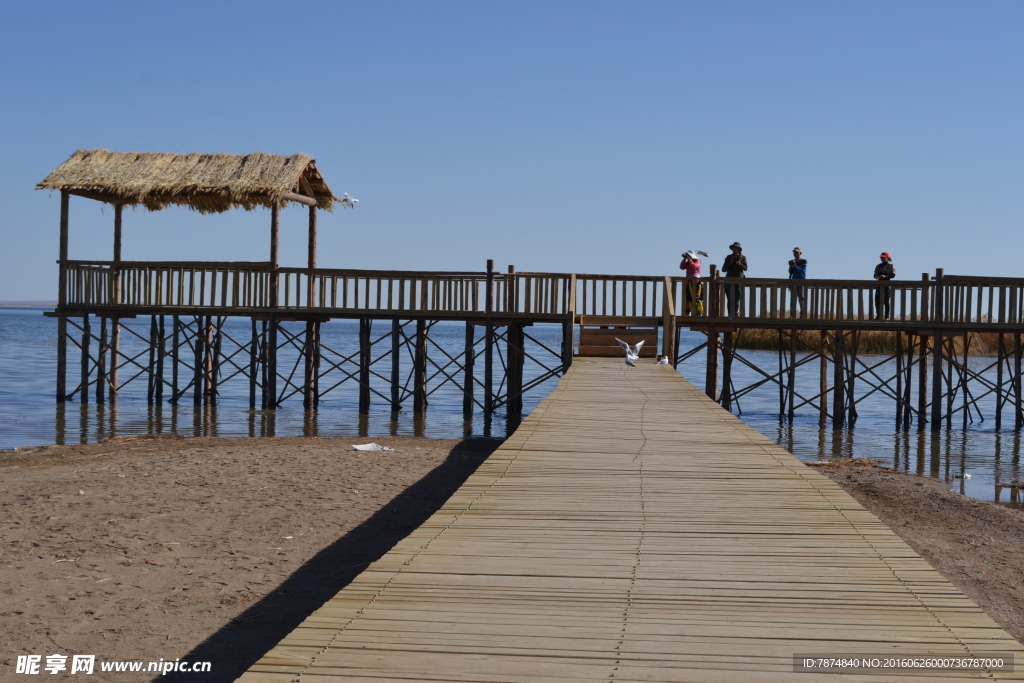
x: 589, y: 137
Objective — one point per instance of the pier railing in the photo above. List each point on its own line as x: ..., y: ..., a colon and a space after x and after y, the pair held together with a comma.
x: 155, y: 285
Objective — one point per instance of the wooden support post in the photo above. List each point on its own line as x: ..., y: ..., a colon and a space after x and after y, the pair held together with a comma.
x: 711, y: 369
x: 790, y: 409
x: 515, y: 361
x: 115, y: 352
x: 851, y: 377
x: 899, y: 379
x: 937, y: 344
x: 254, y: 349
x: 419, y: 396
x: 922, y: 382
x: 270, y: 355
x: 569, y: 324
x: 727, y: 349
x: 963, y: 375
x: 823, y: 378
x: 86, y: 342
x: 1018, y: 413
x: 161, y: 353
x: 175, y: 346
x: 151, y: 365
x: 275, y: 245
x: 198, y: 376
x: 838, y: 379
x: 218, y: 340
x: 101, y: 364
x: 308, y: 371
x: 396, y: 366
x: 907, y: 412
x: 365, y: 353
x: 489, y: 341
x: 1001, y: 359
x: 62, y: 358
x: 311, y: 256
x: 469, y: 362
x: 782, y: 377
x: 62, y: 293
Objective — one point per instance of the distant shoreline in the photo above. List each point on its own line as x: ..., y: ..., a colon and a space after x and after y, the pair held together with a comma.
x: 27, y: 304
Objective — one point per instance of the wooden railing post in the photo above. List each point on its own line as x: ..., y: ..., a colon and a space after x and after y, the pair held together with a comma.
x: 569, y: 324
x: 668, y: 322
x: 62, y: 299
x: 937, y: 343
x: 489, y: 340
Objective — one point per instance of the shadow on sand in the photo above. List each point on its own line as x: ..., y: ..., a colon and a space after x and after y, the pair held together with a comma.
x: 243, y: 640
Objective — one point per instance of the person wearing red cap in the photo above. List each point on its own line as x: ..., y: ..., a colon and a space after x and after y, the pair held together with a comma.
x: 884, y: 272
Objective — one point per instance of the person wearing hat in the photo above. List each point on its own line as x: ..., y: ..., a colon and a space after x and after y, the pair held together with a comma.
x: 797, y: 271
x: 884, y: 272
x: 735, y: 265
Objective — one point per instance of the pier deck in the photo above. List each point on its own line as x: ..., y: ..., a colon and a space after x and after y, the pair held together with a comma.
x: 631, y: 529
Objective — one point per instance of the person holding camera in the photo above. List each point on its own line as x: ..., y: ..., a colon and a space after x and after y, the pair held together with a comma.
x: 884, y: 272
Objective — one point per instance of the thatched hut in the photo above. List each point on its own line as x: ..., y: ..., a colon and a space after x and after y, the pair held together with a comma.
x: 208, y: 183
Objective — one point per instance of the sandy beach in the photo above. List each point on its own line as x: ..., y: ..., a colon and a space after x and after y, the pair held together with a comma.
x: 214, y: 549
x: 200, y: 549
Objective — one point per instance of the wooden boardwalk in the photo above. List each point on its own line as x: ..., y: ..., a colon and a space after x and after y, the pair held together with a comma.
x: 632, y: 530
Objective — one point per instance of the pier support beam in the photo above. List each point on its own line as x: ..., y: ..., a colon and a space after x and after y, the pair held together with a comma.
x: 711, y: 366
x: 823, y: 377
x: 727, y: 350
x: 86, y: 360
x: 470, y: 360
x: 62, y: 293
x: 489, y: 341
x: 515, y: 361
x: 419, y: 394
x: 396, y: 366
x: 101, y: 364
x: 365, y: 353
x: 937, y: 343
x: 839, y: 379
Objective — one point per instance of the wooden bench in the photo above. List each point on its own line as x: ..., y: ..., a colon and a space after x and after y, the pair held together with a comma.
x: 598, y: 334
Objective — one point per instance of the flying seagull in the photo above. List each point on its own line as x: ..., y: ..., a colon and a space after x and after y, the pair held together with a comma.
x: 632, y: 352
x: 348, y: 202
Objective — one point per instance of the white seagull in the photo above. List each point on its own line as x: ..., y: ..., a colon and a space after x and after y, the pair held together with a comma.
x: 663, y: 361
x: 632, y: 352
x: 348, y: 202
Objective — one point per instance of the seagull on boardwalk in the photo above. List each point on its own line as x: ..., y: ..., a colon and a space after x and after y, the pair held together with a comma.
x: 632, y: 352
x: 348, y: 201
x: 663, y: 361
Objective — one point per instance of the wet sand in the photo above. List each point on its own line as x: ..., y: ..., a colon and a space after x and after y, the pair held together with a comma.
x: 200, y: 549
x: 977, y: 545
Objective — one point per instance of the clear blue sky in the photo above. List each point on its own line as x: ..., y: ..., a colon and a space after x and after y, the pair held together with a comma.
x: 562, y: 136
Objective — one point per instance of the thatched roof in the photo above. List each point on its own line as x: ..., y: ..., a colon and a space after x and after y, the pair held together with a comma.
x: 208, y: 183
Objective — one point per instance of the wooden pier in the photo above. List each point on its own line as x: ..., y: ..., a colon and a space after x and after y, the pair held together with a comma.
x: 629, y: 530
x: 932, y: 378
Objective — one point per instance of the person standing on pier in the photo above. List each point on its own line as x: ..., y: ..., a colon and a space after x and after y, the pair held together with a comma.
x: 735, y: 265
x: 884, y: 272
x: 693, y: 304
x: 797, y: 271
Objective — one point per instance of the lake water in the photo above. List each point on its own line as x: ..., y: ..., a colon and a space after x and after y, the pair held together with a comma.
x: 29, y: 415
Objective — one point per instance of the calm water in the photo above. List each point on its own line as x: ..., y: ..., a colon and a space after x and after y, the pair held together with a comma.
x: 29, y: 416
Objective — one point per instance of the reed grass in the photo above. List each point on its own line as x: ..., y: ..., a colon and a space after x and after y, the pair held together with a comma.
x: 869, y: 341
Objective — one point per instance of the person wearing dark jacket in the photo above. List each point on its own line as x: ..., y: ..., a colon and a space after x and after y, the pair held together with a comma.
x: 735, y: 265
x: 797, y: 271
x: 884, y: 272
